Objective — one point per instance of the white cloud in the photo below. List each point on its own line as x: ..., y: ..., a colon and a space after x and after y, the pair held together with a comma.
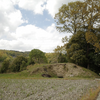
x: 15, y: 19
x: 34, y: 37
x: 16, y: 37
x: 37, y: 6
x: 29, y: 37
x: 54, y: 5
x: 10, y: 18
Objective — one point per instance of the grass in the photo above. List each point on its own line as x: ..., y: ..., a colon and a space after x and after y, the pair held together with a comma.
x: 23, y: 85
x: 92, y: 94
x: 44, y: 89
x: 93, y: 73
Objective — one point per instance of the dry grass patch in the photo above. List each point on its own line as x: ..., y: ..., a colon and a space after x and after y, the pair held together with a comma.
x: 92, y: 94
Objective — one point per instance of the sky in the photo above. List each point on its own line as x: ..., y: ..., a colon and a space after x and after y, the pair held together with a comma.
x: 30, y: 24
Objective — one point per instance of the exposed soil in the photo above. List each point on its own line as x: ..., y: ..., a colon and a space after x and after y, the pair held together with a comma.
x: 63, y: 70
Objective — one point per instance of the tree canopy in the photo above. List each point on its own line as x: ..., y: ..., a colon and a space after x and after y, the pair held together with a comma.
x: 37, y: 56
x: 18, y: 64
x: 80, y: 16
x: 82, y: 53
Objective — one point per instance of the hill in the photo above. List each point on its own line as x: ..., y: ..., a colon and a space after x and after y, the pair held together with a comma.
x: 60, y: 70
x: 13, y: 53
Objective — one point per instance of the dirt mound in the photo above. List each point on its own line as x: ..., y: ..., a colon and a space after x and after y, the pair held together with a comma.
x: 63, y: 70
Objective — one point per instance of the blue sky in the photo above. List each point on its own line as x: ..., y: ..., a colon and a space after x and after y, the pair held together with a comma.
x: 29, y: 24
x: 42, y: 21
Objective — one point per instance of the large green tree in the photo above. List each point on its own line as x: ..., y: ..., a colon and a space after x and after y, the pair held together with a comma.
x: 67, y: 18
x: 37, y: 56
x: 77, y: 52
x: 77, y: 49
x: 78, y: 16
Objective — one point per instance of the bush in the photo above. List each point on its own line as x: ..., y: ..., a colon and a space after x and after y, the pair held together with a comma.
x: 23, y: 66
x: 5, y: 66
x: 18, y: 64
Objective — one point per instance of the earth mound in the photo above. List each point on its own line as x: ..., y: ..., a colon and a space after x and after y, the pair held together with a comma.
x: 62, y: 70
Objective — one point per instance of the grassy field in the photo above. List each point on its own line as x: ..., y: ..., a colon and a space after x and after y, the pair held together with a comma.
x: 30, y: 85
x: 45, y: 89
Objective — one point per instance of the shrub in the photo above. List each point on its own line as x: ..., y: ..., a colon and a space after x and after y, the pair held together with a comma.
x: 18, y: 64
x: 5, y: 66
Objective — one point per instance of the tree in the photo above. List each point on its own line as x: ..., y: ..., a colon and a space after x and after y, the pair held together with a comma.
x: 93, y: 21
x: 60, y: 49
x: 23, y: 66
x: 52, y: 57
x: 80, y: 16
x: 18, y: 64
x: 76, y: 49
x: 61, y: 53
x: 67, y: 18
x: 37, y: 56
x: 56, y: 57
x: 62, y: 58
x: 93, y: 37
x: 77, y: 52
x: 5, y: 66
x: 3, y: 56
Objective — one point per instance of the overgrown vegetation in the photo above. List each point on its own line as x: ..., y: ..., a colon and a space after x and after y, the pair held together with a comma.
x: 78, y: 18
x: 19, y: 64
x: 56, y: 57
x: 5, y: 66
x: 12, y: 63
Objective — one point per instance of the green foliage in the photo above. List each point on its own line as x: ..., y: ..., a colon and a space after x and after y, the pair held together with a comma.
x: 95, y: 62
x: 37, y: 56
x: 18, y: 64
x: 5, y: 66
x: 3, y: 56
x: 23, y: 65
x: 79, y: 16
x: 62, y: 58
x: 76, y: 49
x: 82, y: 53
x: 56, y: 57
x: 52, y: 57
x: 93, y: 37
x: 13, y: 53
x: 67, y: 18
